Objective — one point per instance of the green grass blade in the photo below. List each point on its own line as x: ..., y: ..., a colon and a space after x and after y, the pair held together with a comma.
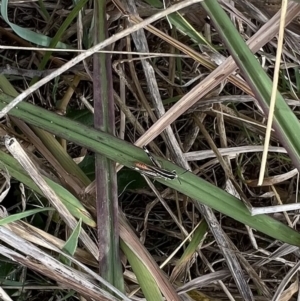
x: 27, y: 34
x: 106, y: 176
x: 71, y: 244
x: 55, y: 41
x: 127, y: 154
x: 144, y: 277
x: 44, y: 11
x: 19, y: 216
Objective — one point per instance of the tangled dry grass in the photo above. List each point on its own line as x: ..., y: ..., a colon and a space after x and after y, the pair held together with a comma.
x: 203, y: 254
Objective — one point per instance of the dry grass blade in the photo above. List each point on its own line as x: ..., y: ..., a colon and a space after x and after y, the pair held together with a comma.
x: 274, y: 180
x: 231, y: 152
x: 259, y: 39
x: 16, y: 150
x: 204, y: 280
x: 283, y: 250
x: 232, y: 261
x: 285, y: 281
x: 274, y: 90
x: 4, y: 296
x: 45, y: 264
x: 142, y: 46
x: 46, y: 240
